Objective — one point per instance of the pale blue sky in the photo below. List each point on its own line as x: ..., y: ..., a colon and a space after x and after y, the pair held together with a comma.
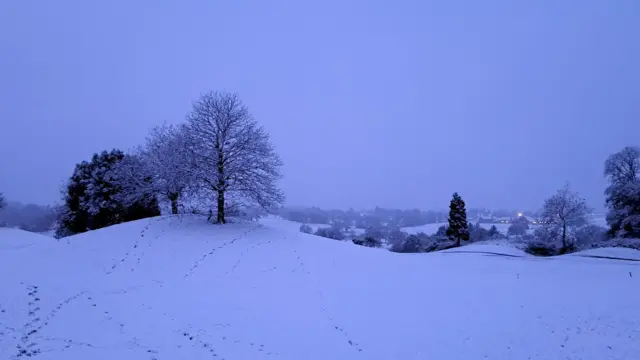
x: 391, y: 103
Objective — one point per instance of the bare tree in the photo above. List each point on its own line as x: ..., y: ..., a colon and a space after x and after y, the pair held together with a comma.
x: 160, y: 169
x: 233, y: 155
x: 2, y: 201
x: 623, y: 167
x: 564, y: 211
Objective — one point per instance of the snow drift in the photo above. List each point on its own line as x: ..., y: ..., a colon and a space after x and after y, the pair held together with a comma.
x: 178, y: 288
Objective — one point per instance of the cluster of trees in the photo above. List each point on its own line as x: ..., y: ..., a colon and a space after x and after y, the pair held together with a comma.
x: 565, y: 214
x: 219, y: 155
x: 364, y: 219
x: 29, y: 217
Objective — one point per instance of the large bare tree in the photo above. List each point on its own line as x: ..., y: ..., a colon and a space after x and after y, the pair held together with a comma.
x: 233, y: 155
x: 564, y: 211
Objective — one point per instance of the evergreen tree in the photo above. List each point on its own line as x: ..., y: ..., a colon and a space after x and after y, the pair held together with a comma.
x: 493, y: 232
x: 92, y: 198
x: 458, y: 226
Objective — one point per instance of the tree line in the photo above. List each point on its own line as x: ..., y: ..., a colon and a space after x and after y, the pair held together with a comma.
x: 563, y: 224
x: 219, y: 155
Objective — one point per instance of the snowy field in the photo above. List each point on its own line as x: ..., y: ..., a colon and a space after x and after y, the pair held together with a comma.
x: 178, y: 288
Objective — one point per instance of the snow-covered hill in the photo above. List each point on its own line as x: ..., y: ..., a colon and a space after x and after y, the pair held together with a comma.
x: 178, y: 288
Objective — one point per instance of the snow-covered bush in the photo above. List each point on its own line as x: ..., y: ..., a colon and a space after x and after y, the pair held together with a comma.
x: 437, y: 243
x: 306, y: 229
x: 540, y: 248
x: 368, y: 242
x: 517, y: 229
x: 479, y: 234
x: 423, y: 243
x: 543, y: 242
x: 589, y: 234
x: 494, y: 233
x: 630, y: 243
x: 330, y: 233
x: 442, y: 231
x: 411, y: 244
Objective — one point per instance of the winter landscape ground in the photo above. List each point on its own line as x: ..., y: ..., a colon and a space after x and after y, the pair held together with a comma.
x: 181, y: 288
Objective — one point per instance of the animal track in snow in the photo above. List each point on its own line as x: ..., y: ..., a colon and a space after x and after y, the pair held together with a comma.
x: 221, y: 246
x: 244, y: 252
x: 323, y: 308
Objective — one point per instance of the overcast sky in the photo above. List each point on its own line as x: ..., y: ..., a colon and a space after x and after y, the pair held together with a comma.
x: 390, y: 103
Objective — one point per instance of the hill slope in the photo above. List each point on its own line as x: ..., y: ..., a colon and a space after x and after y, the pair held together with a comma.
x: 178, y: 288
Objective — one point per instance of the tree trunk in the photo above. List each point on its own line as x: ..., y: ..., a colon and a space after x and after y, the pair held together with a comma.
x: 564, y: 236
x: 220, y: 218
x: 457, y: 241
x: 174, y: 203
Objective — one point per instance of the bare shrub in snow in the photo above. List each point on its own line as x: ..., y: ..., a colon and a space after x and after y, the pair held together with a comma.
x: 306, y: 229
x: 232, y: 155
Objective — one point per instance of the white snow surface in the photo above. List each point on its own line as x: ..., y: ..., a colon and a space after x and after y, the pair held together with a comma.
x: 611, y: 252
x: 179, y: 288
x: 15, y: 239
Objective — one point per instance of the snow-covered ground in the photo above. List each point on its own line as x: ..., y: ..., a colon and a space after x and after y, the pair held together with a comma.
x: 178, y: 288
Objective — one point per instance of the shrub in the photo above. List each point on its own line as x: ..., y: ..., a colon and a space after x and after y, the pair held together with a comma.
x: 330, y: 233
x: 442, y: 231
x: 541, y: 248
x: 479, y: 234
x: 494, y: 233
x: 590, y: 234
x: 619, y: 242
x: 368, y: 242
x: 306, y: 229
x: 411, y: 244
x: 517, y: 229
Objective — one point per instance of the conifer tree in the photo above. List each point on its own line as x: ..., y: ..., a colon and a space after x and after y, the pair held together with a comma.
x: 458, y: 226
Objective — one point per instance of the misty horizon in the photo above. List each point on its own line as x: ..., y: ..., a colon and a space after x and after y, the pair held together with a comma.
x: 368, y: 104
